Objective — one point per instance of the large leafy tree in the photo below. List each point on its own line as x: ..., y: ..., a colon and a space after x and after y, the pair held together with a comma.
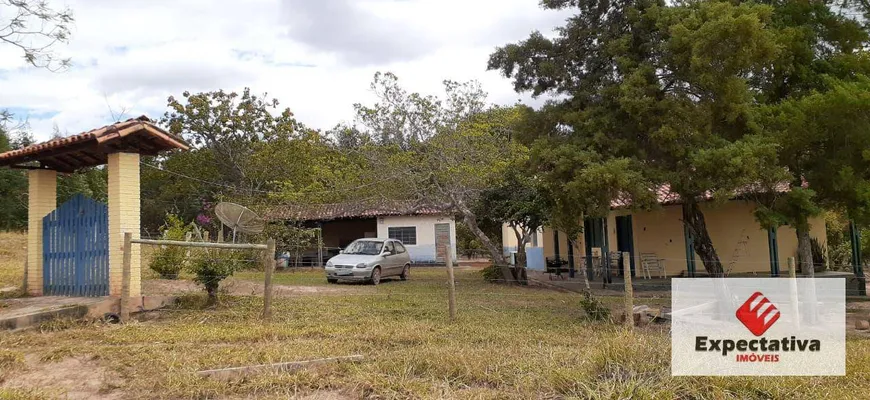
x: 231, y: 127
x: 517, y: 202
x: 435, y: 152
x: 825, y: 136
x: 245, y: 149
x: 657, y: 98
x: 815, y: 107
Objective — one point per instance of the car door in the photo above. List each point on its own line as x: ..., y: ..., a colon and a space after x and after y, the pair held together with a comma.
x: 402, y: 257
x: 390, y: 258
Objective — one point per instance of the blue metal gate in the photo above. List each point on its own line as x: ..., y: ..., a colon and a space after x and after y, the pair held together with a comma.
x: 75, y: 240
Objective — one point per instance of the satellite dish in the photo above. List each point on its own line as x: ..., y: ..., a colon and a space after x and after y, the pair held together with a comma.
x: 239, y: 218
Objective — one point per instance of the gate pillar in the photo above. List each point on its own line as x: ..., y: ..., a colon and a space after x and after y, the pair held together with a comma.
x: 124, y: 216
x: 41, y: 200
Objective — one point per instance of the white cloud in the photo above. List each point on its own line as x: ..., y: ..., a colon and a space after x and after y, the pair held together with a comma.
x: 316, y: 57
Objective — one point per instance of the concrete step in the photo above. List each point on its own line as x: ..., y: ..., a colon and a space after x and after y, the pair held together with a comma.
x: 27, y: 312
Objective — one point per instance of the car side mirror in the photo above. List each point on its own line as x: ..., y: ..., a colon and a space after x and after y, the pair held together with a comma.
x: 341, y: 252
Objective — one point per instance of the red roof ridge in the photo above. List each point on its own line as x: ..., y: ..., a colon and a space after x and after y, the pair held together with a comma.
x: 150, y: 137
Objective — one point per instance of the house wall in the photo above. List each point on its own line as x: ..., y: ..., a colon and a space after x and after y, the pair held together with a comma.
x: 550, y: 248
x: 742, y: 245
x: 424, y: 250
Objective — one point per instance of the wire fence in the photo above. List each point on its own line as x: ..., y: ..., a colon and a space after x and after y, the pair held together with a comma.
x: 248, y: 279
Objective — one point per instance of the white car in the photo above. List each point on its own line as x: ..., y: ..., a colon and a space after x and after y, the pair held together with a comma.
x: 370, y: 260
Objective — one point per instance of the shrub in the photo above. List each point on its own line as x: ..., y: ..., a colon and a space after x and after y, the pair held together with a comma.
x: 595, y: 309
x: 212, y: 266
x: 169, y: 260
x: 491, y: 273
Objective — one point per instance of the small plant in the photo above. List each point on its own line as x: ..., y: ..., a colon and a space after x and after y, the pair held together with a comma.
x: 168, y: 261
x: 491, y: 273
x: 212, y: 266
x: 595, y: 309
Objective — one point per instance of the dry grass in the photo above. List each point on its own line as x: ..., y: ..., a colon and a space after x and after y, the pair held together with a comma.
x: 13, y: 253
x: 508, y: 343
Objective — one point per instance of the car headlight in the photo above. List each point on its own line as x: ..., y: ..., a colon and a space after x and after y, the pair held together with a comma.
x: 329, y: 264
x: 361, y: 265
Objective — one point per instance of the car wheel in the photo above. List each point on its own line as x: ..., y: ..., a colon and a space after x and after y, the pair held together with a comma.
x: 376, y: 276
x: 332, y: 280
x: 406, y: 273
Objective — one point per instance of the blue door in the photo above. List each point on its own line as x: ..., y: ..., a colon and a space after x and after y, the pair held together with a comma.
x: 75, y: 240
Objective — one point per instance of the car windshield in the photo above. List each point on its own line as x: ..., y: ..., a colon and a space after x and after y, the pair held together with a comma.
x: 366, y: 247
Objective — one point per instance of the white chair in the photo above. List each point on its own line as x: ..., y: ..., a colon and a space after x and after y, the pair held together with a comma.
x: 650, y: 264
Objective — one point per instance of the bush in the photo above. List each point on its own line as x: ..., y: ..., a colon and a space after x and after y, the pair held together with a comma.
x: 595, y: 309
x: 168, y: 261
x: 491, y: 273
x: 212, y: 266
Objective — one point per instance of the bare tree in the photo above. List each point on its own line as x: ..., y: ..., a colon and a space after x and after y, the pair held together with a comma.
x: 35, y: 27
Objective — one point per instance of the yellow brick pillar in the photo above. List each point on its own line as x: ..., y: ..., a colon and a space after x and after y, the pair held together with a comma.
x: 123, y: 217
x: 42, y: 199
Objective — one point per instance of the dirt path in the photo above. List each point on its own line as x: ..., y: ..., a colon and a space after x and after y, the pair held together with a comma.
x: 237, y: 287
x: 72, y: 378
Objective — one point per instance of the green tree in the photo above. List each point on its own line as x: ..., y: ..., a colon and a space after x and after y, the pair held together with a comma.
x: 231, y: 126
x: 435, y: 152
x: 822, y: 62
x: 824, y: 137
x: 656, y: 97
x: 13, y: 191
x: 517, y: 202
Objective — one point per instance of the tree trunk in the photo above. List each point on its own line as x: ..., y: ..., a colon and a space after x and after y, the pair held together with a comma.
x: 470, y: 219
x: 519, y: 271
x: 693, y: 219
x: 805, y: 249
x: 585, y: 273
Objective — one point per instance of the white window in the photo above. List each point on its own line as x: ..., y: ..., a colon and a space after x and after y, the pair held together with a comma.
x: 407, y: 235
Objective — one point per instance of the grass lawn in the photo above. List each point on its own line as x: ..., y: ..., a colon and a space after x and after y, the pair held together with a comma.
x: 508, y: 342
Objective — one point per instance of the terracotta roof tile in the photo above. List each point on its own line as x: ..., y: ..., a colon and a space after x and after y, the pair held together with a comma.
x: 326, y: 212
x: 113, y: 133
x: 665, y: 196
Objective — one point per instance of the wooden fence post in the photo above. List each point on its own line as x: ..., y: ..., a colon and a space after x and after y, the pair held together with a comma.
x: 451, y: 286
x: 269, y: 266
x: 125, y: 277
x: 792, y: 276
x: 629, y: 291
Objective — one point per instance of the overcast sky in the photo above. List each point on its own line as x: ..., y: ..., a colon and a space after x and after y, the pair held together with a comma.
x: 317, y: 57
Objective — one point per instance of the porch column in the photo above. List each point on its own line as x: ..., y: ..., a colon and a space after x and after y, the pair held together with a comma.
x: 124, y: 217
x: 857, y: 268
x: 42, y: 199
x: 773, y: 246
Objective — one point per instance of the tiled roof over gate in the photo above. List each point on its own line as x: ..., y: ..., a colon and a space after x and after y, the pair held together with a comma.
x: 91, y: 148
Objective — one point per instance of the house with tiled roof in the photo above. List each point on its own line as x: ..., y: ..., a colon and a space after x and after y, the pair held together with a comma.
x: 426, y: 232
x: 658, y: 238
